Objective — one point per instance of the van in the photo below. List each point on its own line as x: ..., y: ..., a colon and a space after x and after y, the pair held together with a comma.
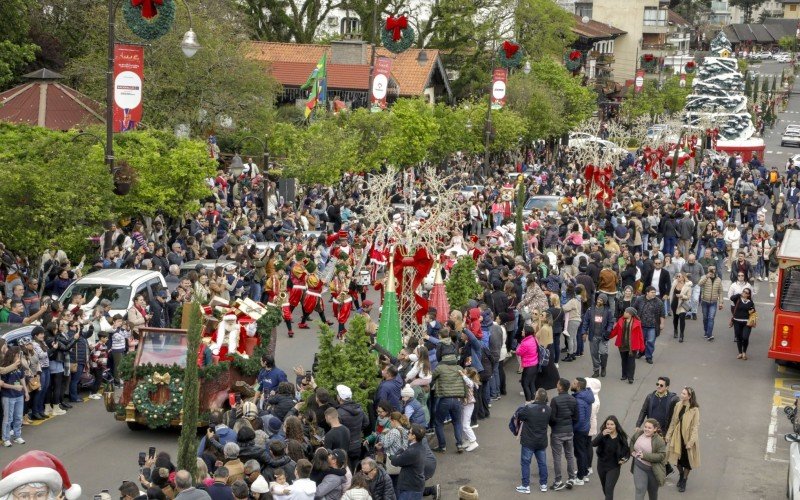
x: 120, y: 286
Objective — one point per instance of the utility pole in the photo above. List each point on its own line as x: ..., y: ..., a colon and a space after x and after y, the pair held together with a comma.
x: 372, y: 54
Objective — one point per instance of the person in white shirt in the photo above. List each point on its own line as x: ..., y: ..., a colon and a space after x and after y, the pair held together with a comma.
x: 732, y: 237
x: 302, y: 488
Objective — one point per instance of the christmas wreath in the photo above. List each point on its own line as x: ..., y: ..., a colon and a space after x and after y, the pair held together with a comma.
x: 146, y: 20
x: 159, y: 415
x: 573, y: 60
x: 690, y: 67
x: 649, y: 62
x: 509, y: 55
x: 397, y: 36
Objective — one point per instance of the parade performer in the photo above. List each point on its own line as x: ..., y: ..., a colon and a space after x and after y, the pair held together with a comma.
x: 339, y: 288
x: 276, y: 280
x: 378, y: 257
x: 313, y: 297
x: 298, y: 280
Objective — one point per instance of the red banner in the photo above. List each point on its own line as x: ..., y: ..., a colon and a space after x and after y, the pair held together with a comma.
x: 380, y: 83
x: 499, y: 79
x: 128, y: 76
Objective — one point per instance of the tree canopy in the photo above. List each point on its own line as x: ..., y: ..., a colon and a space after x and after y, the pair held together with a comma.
x: 15, y: 49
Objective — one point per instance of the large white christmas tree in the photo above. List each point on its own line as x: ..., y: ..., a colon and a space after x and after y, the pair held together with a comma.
x: 718, y: 95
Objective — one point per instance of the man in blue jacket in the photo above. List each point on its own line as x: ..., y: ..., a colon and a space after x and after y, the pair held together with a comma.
x: 580, y: 428
x: 596, y: 326
x: 389, y: 388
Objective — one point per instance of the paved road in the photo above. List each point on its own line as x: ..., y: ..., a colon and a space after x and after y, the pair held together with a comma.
x: 775, y: 153
x: 743, y: 453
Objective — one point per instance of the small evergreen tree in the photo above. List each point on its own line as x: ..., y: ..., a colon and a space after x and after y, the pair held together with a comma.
x: 187, y: 443
x: 518, y: 243
x: 462, y: 285
x: 350, y: 363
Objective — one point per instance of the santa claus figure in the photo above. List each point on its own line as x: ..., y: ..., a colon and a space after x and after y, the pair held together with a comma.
x: 378, y: 257
x: 37, y: 475
x: 228, y: 333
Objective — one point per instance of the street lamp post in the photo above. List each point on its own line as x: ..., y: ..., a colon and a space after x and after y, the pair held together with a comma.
x: 189, y: 46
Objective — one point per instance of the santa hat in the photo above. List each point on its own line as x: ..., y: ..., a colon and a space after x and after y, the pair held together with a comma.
x: 38, y: 467
x: 229, y: 317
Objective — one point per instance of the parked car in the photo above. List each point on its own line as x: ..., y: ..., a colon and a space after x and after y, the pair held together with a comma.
x: 763, y: 55
x: 783, y: 57
x: 120, y: 286
x: 791, y: 136
x: 12, y: 333
x: 546, y: 203
x: 207, y: 264
x: 468, y: 192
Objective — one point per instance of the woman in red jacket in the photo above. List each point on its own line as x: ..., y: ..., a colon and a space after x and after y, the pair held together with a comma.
x: 630, y: 340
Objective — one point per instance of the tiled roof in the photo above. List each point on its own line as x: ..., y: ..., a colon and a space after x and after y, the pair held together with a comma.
x: 595, y: 29
x: 676, y: 19
x: 62, y: 108
x: 769, y: 32
x: 292, y: 63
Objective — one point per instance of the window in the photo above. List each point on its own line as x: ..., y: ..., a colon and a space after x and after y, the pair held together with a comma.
x: 583, y: 10
x: 790, y: 290
x: 350, y: 25
x: 793, y: 8
x: 653, y: 16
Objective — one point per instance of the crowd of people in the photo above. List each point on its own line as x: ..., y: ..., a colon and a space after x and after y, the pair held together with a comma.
x: 680, y: 247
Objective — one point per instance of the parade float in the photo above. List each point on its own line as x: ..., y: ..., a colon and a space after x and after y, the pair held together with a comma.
x: 233, y: 338
x: 718, y: 96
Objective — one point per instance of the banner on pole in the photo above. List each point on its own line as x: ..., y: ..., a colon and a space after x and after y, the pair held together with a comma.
x: 128, y: 76
x: 380, y: 83
x: 499, y: 79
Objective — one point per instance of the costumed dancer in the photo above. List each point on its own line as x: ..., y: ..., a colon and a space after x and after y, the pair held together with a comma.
x: 341, y: 301
x: 378, y: 258
x: 276, y: 280
x: 298, y: 281
x: 313, y: 297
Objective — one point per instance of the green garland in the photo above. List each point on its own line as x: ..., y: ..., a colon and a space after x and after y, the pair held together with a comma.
x: 509, y: 62
x: 149, y: 29
x: 406, y: 40
x: 158, y: 415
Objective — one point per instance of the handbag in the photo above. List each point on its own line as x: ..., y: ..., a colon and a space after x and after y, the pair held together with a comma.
x: 35, y: 383
x: 73, y: 367
x: 391, y: 469
x: 752, y: 319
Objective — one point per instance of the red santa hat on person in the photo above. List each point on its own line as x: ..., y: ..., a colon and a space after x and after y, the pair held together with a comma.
x: 38, y: 466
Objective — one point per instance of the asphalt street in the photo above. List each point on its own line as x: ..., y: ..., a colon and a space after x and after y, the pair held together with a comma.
x: 742, y: 449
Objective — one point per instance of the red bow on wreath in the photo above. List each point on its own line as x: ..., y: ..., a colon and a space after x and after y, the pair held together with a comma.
x: 649, y: 57
x: 396, y: 25
x: 574, y: 55
x: 510, y: 48
x: 149, y: 10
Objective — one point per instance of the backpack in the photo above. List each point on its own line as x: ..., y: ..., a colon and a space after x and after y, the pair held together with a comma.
x: 544, y: 356
x: 514, y: 425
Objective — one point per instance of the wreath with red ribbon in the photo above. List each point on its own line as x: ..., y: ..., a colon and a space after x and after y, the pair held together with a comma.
x: 573, y: 60
x: 690, y: 67
x: 149, y: 19
x: 509, y: 54
x: 397, y: 36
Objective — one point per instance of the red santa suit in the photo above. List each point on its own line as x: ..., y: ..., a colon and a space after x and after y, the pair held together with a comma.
x: 298, y: 279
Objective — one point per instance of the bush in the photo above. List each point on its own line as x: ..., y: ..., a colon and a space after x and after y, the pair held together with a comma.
x: 462, y: 285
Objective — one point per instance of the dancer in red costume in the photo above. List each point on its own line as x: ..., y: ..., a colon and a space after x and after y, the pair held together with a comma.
x: 313, y: 298
x: 342, y: 302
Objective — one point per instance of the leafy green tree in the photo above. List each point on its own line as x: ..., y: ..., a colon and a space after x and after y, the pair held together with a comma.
x: 509, y: 130
x: 187, y: 443
x: 372, y: 129
x: 462, y: 285
x: 171, y: 173
x: 747, y: 6
x: 41, y: 198
x: 15, y: 49
x: 649, y: 102
x: 217, y: 88
x: 551, y: 99
x: 285, y: 21
x: 788, y: 43
x: 413, y: 131
x: 543, y: 28
x: 454, y: 132
x: 321, y: 153
x: 673, y: 95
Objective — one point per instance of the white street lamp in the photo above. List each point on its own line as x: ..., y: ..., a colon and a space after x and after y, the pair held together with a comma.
x: 189, y: 44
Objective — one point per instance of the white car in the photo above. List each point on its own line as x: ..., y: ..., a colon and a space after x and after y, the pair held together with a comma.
x: 576, y: 138
x: 120, y: 286
x: 783, y: 57
x: 791, y: 137
x: 468, y: 192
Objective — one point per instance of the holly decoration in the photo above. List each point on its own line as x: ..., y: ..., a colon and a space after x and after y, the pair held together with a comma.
x: 149, y: 19
x: 158, y: 415
x: 690, y: 67
x: 397, y: 36
x: 509, y: 55
x: 573, y: 60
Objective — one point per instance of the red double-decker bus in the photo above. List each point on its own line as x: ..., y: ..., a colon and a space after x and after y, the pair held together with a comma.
x: 786, y: 319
